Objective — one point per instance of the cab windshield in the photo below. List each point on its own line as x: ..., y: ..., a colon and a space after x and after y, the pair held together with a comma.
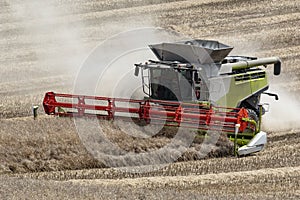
x: 171, y: 84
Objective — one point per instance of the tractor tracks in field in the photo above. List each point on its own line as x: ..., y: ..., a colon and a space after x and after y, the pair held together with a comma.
x: 284, y: 135
x: 246, y: 178
x: 284, y: 139
x: 279, y: 154
x: 33, y: 60
x: 280, y: 183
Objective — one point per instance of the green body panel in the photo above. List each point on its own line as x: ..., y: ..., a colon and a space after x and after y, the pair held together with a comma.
x: 239, y: 89
x: 259, y: 84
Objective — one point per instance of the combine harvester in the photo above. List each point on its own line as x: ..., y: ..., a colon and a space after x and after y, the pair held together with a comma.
x: 194, y: 84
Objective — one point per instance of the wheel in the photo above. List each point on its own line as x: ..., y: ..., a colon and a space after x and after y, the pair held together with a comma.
x: 253, y: 116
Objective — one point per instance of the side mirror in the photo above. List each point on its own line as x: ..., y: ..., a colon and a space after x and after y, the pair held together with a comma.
x: 272, y: 94
x: 277, y: 68
x: 137, y: 70
x: 196, y: 78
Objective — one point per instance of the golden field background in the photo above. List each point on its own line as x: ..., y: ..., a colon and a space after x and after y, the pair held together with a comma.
x: 42, y: 48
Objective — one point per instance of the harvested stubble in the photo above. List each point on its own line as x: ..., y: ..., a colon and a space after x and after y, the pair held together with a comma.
x: 281, y: 183
x: 278, y: 159
x: 255, y: 28
x: 18, y: 105
x: 45, y: 144
x: 52, y: 143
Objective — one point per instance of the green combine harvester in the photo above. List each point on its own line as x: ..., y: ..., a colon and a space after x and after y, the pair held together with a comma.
x: 193, y: 84
x: 200, y: 71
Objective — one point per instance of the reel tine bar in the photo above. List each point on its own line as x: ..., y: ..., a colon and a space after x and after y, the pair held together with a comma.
x: 168, y: 113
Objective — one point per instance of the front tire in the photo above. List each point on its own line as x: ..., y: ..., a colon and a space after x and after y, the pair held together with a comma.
x: 253, y: 116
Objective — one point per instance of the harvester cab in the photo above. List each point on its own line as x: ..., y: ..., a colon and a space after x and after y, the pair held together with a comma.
x: 193, y: 84
x: 201, y: 70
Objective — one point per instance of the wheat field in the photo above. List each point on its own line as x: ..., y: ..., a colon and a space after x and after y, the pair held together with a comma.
x: 43, y: 45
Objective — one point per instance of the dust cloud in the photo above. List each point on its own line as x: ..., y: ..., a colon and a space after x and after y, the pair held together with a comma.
x: 109, y: 69
x: 284, y: 114
x: 55, y: 42
x: 60, y: 42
